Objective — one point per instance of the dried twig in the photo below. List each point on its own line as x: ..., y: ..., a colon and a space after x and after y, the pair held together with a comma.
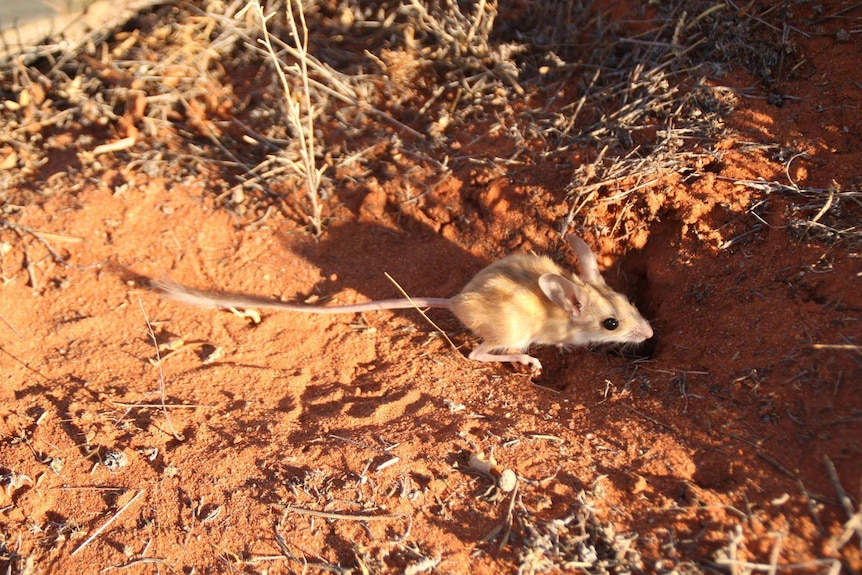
x: 837, y: 346
x: 338, y: 516
x: 853, y: 525
x: 107, y: 523
x: 41, y: 237
x: 424, y: 315
x: 178, y: 436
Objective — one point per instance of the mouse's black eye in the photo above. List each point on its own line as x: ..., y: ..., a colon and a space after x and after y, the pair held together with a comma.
x: 610, y: 324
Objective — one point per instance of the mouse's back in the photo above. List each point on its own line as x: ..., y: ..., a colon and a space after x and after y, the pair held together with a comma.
x: 504, y: 304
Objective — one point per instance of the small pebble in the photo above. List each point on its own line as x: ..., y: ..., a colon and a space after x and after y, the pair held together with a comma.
x: 507, y: 481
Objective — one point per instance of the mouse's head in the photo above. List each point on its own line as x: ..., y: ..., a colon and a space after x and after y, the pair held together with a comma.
x: 596, y: 313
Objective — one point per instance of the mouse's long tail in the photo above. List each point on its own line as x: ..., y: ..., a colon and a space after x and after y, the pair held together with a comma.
x: 227, y: 300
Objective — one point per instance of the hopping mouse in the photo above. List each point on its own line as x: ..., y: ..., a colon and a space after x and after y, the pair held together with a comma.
x: 514, y: 303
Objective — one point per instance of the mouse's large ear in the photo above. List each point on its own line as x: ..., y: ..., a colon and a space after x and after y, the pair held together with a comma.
x: 563, y: 292
x: 586, y: 260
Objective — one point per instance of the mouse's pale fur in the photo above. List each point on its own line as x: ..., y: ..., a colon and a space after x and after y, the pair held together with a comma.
x: 512, y: 304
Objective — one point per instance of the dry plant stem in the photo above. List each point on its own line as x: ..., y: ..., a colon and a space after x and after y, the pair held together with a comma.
x: 301, y: 121
x: 833, y: 196
x: 289, y: 555
x: 89, y: 488
x: 837, y: 346
x: 342, y: 516
x: 10, y: 326
x: 424, y: 315
x: 758, y: 451
x: 39, y: 236
x: 209, y: 132
x: 843, y: 499
x: 508, y: 519
x: 164, y: 404
x: 140, y: 561
x: 853, y: 525
x: 739, y: 566
x: 24, y: 364
x: 648, y: 418
x: 339, y: 89
x: 259, y: 559
x: 107, y: 523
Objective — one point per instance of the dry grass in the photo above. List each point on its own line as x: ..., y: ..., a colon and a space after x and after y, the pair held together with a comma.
x: 642, y: 107
x: 299, y: 109
x: 578, y: 541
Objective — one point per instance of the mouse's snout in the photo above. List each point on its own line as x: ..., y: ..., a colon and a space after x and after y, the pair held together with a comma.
x: 644, y: 331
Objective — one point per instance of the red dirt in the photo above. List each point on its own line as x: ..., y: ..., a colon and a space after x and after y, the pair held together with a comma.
x: 726, y: 426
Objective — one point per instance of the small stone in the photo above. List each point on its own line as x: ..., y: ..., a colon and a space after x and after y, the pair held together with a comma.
x: 507, y: 481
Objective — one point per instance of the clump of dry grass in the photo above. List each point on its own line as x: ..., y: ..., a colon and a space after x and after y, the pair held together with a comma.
x: 829, y: 215
x: 299, y: 109
x: 729, y: 558
x: 648, y: 110
x: 578, y: 541
x: 195, y: 89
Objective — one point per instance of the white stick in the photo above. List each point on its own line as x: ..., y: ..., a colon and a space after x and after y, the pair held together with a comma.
x: 107, y: 523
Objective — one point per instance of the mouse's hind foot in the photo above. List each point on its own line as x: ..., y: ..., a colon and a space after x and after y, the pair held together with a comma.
x: 485, y: 353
